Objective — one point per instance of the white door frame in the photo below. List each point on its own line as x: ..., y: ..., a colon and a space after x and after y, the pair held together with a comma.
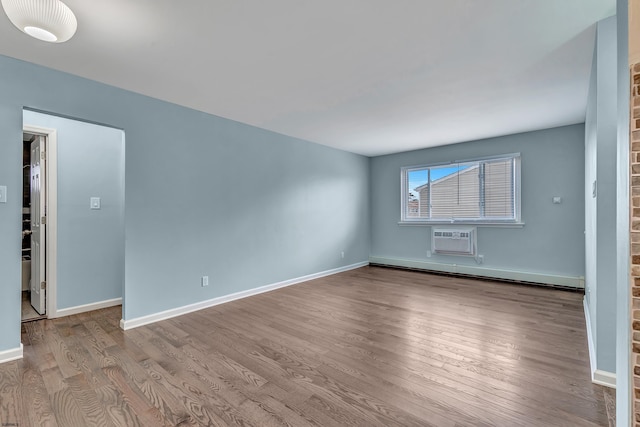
x: 51, y: 182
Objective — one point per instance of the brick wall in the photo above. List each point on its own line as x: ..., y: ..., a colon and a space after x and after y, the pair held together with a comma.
x: 635, y: 233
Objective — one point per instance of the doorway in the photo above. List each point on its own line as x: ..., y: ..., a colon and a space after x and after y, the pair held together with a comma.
x: 33, y: 227
x: 36, y: 238
x: 83, y: 214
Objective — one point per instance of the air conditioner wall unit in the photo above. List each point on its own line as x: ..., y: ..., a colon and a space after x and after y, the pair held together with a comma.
x: 453, y: 241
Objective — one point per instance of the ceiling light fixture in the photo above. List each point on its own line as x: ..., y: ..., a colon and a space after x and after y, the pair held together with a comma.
x: 47, y: 20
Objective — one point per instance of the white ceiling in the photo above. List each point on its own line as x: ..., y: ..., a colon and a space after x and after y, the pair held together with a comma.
x: 368, y: 76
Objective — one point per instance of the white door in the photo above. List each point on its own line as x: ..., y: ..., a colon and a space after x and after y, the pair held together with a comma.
x: 38, y: 235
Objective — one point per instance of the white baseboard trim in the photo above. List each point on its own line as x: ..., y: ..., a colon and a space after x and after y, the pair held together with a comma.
x: 13, y: 354
x: 591, y: 345
x: 604, y: 378
x: 523, y: 276
x: 87, y: 307
x: 179, y: 311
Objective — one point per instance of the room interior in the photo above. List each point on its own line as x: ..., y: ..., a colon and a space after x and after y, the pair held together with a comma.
x: 276, y: 160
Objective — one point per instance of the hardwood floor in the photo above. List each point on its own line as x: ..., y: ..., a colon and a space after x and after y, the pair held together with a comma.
x: 369, y: 347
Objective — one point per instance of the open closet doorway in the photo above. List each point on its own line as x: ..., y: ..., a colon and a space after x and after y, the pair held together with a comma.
x: 36, y: 193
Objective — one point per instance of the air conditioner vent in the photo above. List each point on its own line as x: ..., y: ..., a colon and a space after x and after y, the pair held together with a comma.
x: 453, y: 241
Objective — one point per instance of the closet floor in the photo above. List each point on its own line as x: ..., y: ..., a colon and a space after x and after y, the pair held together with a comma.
x: 28, y: 312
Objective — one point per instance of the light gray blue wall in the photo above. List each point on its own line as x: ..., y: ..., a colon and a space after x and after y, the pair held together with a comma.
x: 623, y: 336
x: 607, y: 157
x: 90, y: 249
x: 204, y: 196
x: 551, y: 242
x: 602, y: 286
x: 244, y: 206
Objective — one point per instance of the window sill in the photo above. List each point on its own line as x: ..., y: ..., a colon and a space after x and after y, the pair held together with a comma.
x: 468, y: 223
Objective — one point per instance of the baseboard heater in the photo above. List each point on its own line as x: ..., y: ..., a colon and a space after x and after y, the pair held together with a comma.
x: 550, y: 281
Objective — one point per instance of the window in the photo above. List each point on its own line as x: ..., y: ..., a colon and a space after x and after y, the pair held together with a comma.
x: 477, y: 191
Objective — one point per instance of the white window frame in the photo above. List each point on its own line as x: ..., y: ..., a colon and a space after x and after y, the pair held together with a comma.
x: 510, y: 222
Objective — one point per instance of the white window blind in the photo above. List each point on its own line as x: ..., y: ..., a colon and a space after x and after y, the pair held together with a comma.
x: 484, y: 190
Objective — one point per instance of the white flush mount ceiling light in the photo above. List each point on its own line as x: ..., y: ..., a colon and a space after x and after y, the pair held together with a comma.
x: 47, y: 20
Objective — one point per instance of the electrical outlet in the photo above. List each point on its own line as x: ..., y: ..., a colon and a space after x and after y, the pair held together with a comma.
x: 428, y: 254
x: 204, y: 281
x: 342, y: 254
x: 480, y: 259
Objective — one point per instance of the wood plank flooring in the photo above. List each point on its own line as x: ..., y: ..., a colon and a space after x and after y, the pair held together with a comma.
x: 369, y: 347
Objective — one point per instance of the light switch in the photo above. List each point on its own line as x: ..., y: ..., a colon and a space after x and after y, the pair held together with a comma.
x: 3, y: 194
x: 557, y: 200
x: 95, y: 203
